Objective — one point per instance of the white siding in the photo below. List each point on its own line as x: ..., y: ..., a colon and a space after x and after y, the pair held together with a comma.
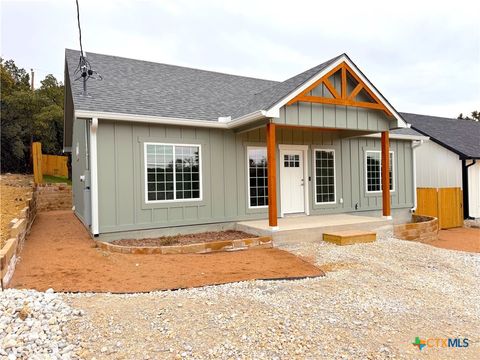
x: 474, y: 190
x: 437, y: 166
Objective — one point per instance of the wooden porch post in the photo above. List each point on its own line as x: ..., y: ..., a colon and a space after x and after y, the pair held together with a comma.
x: 385, y: 174
x: 272, y: 176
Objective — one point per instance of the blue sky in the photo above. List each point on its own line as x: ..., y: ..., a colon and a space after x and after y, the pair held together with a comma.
x: 424, y: 56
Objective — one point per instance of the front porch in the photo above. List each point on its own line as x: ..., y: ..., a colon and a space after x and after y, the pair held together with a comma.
x: 341, y: 101
x: 311, y: 228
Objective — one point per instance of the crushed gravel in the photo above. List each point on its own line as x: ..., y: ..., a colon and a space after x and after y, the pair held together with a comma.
x: 472, y: 223
x: 374, y: 301
x: 32, y: 326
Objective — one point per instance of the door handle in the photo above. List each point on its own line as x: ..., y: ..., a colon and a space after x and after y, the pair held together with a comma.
x: 303, y: 183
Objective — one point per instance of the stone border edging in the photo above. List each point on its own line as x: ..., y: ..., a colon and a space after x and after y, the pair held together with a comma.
x: 198, y: 248
x: 19, y: 228
x: 422, y: 229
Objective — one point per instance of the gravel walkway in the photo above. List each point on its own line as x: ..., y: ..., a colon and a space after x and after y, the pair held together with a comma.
x: 374, y: 301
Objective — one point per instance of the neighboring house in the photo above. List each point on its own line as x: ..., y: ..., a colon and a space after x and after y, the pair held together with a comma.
x: 156, y: 146
x: 451, y: 158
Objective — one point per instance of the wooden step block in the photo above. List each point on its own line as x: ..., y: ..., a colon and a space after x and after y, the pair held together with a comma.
x: 349, y: 237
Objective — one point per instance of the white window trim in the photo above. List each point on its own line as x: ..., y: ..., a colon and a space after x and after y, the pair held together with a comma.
x: 366, y: 172
x: 248, y: 177
x: 174, y: 174
x: 315, y: 176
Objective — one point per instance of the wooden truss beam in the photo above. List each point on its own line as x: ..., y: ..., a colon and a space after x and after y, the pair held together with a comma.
x: 343, y: 98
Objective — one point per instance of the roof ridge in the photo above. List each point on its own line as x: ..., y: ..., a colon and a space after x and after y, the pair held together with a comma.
x: 299, y: 74
x: 435, y: 116
x: 176, y: 66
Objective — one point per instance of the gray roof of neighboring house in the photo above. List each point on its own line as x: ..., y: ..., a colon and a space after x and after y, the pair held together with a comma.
x: 145, y: 88
x: 406, y: 131
x: 459, y: 136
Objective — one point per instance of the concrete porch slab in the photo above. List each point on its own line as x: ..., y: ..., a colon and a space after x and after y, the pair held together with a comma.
x: 311, y: 228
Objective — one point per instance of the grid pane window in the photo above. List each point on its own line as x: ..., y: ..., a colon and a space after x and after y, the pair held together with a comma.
x: 291, y: 160
x: 187, y: 172
x: 374, y: 171
x: 257, y: 177
x: 325, y: 176
x: 159, y: 172
x: 173, y: 172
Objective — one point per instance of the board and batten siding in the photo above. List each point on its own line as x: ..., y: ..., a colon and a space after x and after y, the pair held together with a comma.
x: 474, y: 190
x: 121, y: 172
x: 333, y: 116
x: 437, y: 167
x: 79, y: 168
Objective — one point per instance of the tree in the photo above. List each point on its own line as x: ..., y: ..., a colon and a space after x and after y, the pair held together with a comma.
x: 48, y: 122
x: 28, y: 116
x: 475, y: 116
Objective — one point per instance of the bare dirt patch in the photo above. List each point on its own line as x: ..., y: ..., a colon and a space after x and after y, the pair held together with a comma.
x: 185, y: 239
x: 15, y: 189
x: 59, y: 254
x: 463, y: 239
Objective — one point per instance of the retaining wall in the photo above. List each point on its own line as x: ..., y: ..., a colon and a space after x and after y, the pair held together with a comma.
x: 200, y: 248
x: 54, y: 197
x: 19, y: 228
x: 422, y: 229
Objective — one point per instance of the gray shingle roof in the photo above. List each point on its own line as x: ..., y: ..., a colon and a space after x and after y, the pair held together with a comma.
x: 145, y: 88
x: 459, y: 136
x: 265, y: 99
x: 406, y: 131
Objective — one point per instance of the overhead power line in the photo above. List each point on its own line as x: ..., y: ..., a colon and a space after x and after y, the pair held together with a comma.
x: 84, y: 69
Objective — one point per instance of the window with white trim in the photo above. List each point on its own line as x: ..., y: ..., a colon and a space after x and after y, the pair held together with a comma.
x: 324, y: 176
x: 257, y: 177
x: 374, y: 170
x: 172, y: 172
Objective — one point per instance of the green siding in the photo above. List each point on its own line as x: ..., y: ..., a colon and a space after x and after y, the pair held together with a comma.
x: 333, y: 116
x: 224, y: 162
x: 79, y: 167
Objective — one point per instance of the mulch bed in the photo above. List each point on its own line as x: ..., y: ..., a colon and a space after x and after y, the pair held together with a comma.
x: 186, y: 239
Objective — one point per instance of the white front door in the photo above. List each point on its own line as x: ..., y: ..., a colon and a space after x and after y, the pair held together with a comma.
x: 292, y: 182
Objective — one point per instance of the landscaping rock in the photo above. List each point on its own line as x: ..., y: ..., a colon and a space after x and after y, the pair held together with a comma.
x: 29, y: 326
x: 374, y: 301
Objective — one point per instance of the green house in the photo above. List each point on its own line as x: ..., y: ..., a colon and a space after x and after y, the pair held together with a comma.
x: 159, y: 147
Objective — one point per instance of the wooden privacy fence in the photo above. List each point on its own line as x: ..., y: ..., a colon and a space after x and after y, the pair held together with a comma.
x: 37, y: 162
x: 446, y: 204
x: 44, y: 164
x: 54, y: 165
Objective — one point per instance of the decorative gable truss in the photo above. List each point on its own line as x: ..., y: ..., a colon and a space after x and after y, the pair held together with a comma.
x: 350, y: 90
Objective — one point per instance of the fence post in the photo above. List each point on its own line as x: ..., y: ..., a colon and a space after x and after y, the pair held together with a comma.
x: 37, y: 162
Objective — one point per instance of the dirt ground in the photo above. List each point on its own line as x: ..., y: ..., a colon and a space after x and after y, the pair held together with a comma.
x: 14, y: 191
x: 463, y: 239
x: 208, y: 236
x: 59, y: 254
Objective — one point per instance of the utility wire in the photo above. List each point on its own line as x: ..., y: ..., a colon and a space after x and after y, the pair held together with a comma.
x: 79, y: 28
x: 84, y: 69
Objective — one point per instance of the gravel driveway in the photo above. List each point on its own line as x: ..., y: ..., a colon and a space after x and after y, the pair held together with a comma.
x: 374, y: 301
